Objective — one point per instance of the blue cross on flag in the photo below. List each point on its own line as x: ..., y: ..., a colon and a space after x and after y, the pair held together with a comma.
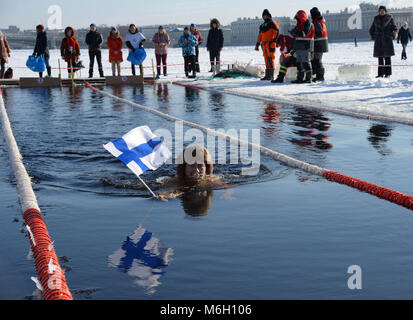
x: 140, y: 150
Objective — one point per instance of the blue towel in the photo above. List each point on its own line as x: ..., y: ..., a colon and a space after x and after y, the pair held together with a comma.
x: 137, y: 57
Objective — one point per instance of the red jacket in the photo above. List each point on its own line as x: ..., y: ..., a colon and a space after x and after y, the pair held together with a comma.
x: 303, y: 33
x: 115, y: 48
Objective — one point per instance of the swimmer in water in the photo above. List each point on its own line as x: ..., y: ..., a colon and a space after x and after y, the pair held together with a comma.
x: 195, y: 169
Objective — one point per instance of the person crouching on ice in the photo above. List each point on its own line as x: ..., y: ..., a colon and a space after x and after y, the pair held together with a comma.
x: 267, y: 38
x: 188, y: 43
x: 303, y: 46
x: 286, y: 58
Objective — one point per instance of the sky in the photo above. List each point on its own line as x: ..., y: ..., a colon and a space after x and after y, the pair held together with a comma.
x: 26, y: 14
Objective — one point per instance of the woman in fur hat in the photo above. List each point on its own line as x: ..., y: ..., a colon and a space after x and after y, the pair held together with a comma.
x: 383, y: 31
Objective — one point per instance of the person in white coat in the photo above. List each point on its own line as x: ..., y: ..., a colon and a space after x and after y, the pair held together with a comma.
x: 134, y: 40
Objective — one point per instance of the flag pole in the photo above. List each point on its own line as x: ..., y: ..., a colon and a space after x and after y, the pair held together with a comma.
x: 154, y: 195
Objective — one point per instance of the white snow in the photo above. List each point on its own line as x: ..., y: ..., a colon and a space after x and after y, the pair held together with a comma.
x: 391, y: 98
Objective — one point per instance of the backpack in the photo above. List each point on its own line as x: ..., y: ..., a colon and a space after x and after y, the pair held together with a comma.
x: 8, y: 74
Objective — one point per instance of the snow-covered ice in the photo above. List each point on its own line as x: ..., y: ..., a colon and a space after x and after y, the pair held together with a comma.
x: 392, y: 98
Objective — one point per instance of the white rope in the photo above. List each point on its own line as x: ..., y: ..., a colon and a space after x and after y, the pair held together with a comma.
x: 269, y: 152
x: 24, y: 185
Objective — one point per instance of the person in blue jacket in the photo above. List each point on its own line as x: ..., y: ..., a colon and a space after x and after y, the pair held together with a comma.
x: 42, y: 49
x: 188, y: 43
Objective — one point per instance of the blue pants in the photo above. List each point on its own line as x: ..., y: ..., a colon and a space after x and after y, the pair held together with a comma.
x: 404, y: 46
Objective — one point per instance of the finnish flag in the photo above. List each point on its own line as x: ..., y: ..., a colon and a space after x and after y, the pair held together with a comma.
x: 140, y: 150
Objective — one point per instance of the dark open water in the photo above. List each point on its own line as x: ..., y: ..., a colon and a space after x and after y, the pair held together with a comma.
x: 282, y: 234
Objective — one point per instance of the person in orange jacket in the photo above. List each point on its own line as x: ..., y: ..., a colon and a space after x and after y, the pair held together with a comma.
x: 115, y: 44
x: 267, y: 38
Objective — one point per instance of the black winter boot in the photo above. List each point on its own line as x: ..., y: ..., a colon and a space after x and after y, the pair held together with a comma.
x: 90, y: 73
x: 49, y: 71
x: 101, y: 73
x: 380, y: 73
x: 280, y: 78
x: 300, y: 77
x: 271, y: 74
x: 319, y: 75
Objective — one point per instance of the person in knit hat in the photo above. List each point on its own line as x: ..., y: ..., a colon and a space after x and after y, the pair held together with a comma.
x: 41, y: 48
x: 94, y: 41
x: 161, y: 41
x: 267, y: 39
x: 404, y: 36
x: 115, y: 44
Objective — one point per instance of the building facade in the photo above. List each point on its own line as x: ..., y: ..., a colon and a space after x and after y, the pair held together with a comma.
x: 337, y: 23
x: 244, y: 31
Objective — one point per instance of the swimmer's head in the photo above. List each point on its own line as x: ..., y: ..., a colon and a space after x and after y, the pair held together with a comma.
x: 195, y: 164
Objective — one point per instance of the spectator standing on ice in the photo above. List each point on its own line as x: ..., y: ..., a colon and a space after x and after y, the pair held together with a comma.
x: 403, y: 38
x: 42, y: 49
x: 115, y: 44
x: 161, y: 41
x: 70, y: 50
x: 267, y: 39
x: 215, y: 43
x: 383, y: 32
x: 303, y: 46
x: 188, y: 43
x: 4, y: 53
x: 320, y: 44
x: 94, y: 41
x: 196, y: 33
x: 135, y: 40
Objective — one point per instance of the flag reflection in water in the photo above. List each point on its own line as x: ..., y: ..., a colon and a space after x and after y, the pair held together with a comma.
x: 142, y: 256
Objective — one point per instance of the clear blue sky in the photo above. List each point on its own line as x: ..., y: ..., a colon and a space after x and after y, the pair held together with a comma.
x: 80, y: 13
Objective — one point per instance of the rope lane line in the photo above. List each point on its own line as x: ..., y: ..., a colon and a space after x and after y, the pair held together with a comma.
x: 51, y: 275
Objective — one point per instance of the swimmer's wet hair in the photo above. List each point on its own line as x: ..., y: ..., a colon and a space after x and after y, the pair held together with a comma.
x: 195, y: 152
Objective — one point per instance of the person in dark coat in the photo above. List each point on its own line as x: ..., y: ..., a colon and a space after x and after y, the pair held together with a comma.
x: 383, y: 31
x: 404, y: 37
x: 42, y: 49
x: 215, y: 43
x: 94, y: 41
x: 320, y: 44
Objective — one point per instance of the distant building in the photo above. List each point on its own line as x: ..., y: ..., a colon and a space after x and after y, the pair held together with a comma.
x: 245, y: 30
x: 13, y: 29
x: 337, y: 23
